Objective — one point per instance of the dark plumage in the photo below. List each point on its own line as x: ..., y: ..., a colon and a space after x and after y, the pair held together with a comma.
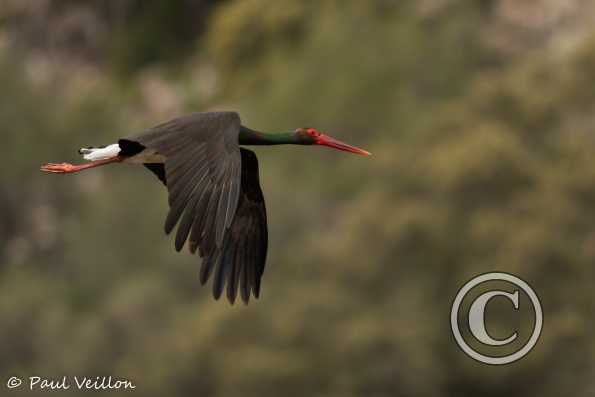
x: 215, y: 198
x: 203, y: 170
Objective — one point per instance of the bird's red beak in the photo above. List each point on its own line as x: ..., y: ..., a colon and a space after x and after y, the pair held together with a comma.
x: 325, y: 140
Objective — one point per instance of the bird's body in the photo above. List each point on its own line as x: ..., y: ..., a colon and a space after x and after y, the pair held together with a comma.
x: 214, y: 191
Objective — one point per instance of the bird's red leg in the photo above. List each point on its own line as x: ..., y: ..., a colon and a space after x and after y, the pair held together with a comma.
x: 67, y: 168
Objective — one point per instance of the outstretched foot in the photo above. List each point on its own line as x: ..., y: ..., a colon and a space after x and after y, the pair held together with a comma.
x: 59, y: 168
x: 67, y: 168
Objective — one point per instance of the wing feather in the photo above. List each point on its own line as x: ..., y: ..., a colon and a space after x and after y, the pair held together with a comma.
x: 215, y: 199
x: 201, y: 150
x: 182, y: 198
x: 245, y: 246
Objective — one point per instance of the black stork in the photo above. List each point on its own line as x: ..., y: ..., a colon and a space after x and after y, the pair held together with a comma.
x: 213, y: 189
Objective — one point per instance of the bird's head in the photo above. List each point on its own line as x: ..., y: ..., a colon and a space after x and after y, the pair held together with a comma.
x: 311, y: 136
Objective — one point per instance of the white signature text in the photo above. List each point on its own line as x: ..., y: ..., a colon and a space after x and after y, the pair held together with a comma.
x: 80, y: 383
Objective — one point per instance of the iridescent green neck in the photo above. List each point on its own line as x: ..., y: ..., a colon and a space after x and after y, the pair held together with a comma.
x: 251, y: 137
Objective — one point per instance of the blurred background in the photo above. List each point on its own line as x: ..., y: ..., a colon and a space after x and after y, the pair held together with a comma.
x: 480, y: 117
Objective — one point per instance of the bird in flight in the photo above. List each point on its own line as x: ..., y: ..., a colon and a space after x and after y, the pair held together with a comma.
x: 213, y: 189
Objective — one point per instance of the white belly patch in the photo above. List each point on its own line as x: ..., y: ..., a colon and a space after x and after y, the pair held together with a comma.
x: 113, y: 150
x: 94, y: 154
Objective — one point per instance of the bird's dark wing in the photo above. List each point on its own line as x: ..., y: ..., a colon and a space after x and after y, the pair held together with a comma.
x: 158, y: 169
x: 240, y: 263
x: 202, y: 169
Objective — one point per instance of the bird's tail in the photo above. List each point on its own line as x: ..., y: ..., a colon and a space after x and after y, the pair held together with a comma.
x: 100, y: 153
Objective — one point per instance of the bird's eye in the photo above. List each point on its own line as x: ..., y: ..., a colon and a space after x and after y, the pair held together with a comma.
x: 313, y: 132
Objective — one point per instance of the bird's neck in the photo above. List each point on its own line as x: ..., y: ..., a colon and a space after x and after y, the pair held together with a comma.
x: 251, y: 137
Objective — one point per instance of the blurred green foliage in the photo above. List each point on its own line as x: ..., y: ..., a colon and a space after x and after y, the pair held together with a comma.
x: 483, y: 161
